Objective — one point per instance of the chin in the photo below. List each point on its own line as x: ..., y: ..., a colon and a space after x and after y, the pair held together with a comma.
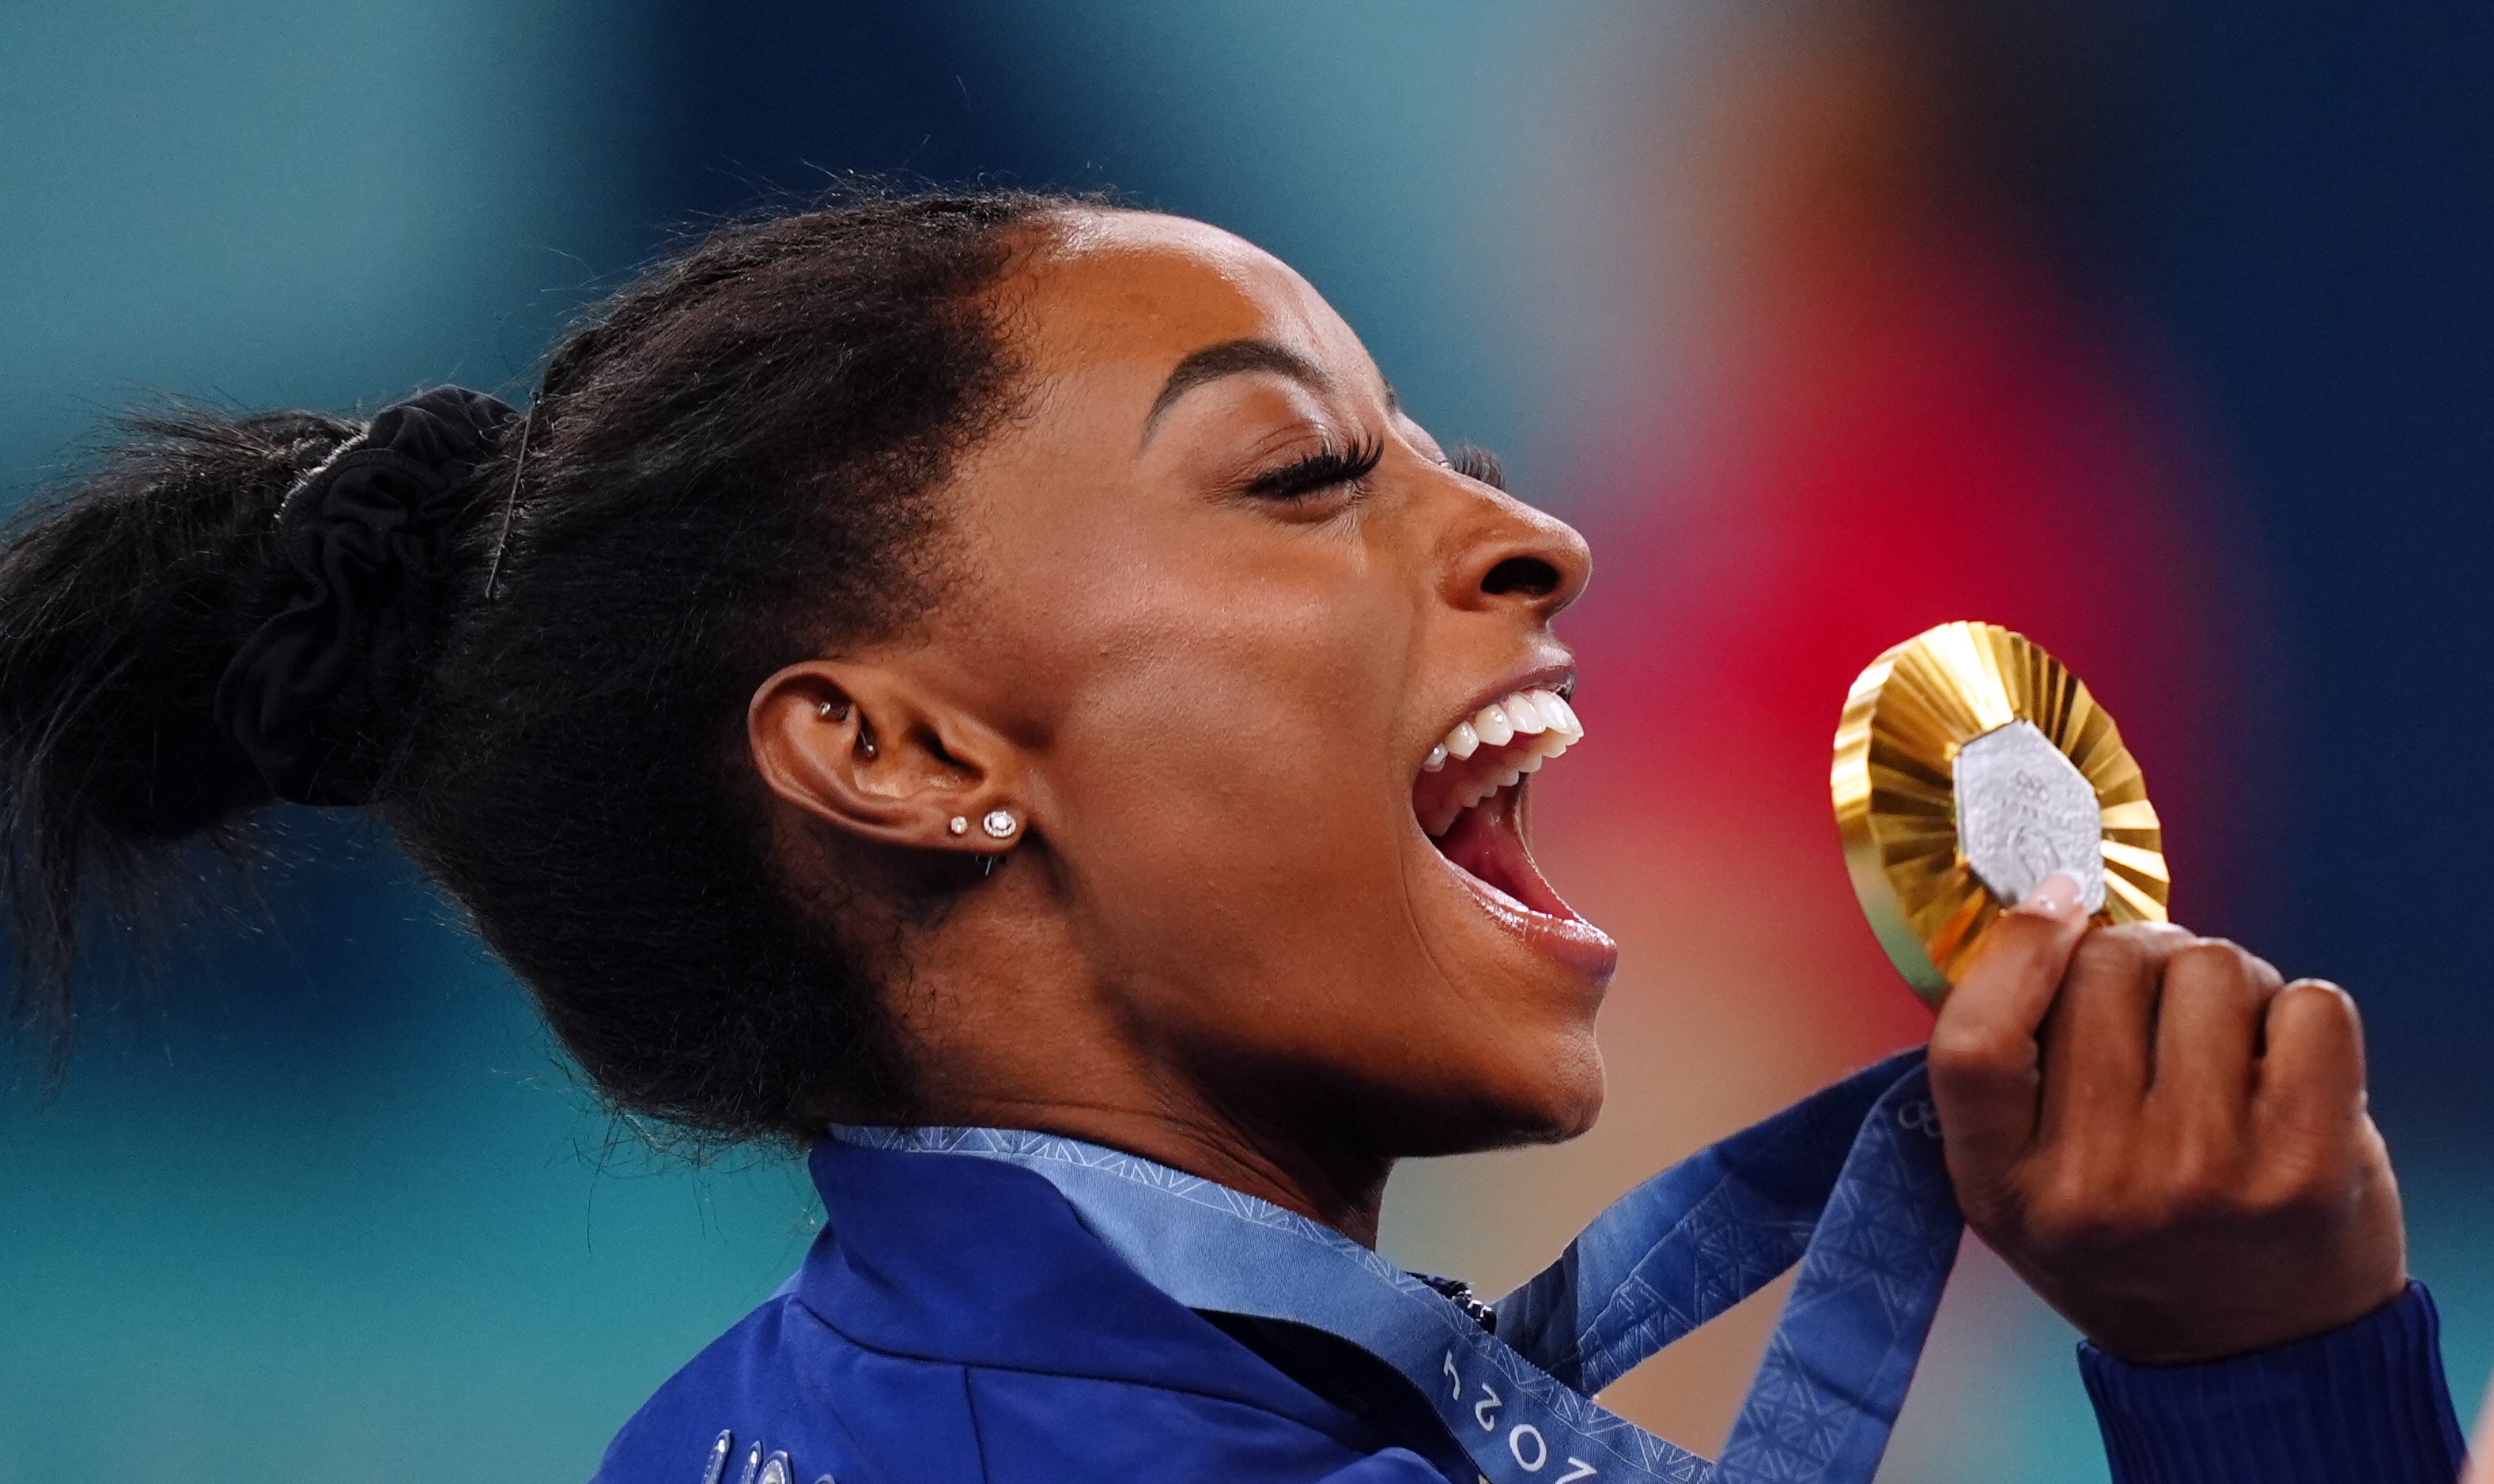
x: 1548, y: 1099
x: 1568, y: 1099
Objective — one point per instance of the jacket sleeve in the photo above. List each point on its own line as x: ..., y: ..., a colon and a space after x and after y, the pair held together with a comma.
x: 2366, y: 1402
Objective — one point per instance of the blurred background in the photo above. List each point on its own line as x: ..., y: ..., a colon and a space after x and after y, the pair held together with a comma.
x: 2164, y: 334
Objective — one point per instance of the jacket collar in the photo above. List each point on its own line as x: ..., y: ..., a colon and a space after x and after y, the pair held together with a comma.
x: 971, y: 1261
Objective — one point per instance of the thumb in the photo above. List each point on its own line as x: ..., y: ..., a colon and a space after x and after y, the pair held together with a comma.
x: 1986, y: 1070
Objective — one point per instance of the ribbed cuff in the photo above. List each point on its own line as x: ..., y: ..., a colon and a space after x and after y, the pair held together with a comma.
x: 2365, y: 1403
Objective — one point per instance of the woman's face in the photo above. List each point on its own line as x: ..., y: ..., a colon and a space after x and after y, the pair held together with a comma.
x: 1225, y: 601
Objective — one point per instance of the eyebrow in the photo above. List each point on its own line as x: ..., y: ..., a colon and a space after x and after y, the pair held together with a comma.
x: 1230, y: 358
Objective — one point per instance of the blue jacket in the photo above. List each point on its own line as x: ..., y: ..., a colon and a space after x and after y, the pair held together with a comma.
x: 954, y: 1322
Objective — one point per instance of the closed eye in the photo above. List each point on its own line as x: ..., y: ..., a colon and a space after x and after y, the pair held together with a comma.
x: 1324, y: 470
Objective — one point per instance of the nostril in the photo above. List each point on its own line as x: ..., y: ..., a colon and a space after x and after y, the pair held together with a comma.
x: 1528, y: 575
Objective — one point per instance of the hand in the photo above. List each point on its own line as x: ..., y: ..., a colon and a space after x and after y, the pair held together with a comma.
x: 2166, y: 1143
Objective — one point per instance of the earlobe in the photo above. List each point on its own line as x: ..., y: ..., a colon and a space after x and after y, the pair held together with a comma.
x: 998, y: 825
x: 855, y: 746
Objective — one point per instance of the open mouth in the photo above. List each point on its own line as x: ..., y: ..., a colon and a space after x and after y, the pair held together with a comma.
x: 1469, y: 798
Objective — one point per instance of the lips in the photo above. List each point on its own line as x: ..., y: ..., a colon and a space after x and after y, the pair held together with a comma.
x: 1469, y: 800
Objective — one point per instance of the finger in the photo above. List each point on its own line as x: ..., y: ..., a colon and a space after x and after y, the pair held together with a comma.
x: 2209, y: 1023
x: 2096, y: 1040
x: 1985, y: 1075
x: 2312, y: 1076
x: 2481, y: 1470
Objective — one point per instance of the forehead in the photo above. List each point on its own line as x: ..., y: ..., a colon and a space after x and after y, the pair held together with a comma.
x: 1130, y: 293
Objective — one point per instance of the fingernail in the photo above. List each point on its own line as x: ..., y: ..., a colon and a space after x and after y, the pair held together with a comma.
x: 2055, y: 896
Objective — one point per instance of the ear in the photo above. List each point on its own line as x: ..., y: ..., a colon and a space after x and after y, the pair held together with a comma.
x: 857, y: 745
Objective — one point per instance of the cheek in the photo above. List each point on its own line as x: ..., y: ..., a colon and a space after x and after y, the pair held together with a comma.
x: 1226, y: 788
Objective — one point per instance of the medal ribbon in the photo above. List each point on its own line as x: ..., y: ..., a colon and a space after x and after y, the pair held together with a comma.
x: 1848, y: 1182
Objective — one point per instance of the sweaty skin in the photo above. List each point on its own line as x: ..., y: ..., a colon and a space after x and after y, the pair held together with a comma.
x: 1220, y: 938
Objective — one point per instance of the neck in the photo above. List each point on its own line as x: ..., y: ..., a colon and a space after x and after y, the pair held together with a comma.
x: 1044, y: 1047
x: 1333, y: 1186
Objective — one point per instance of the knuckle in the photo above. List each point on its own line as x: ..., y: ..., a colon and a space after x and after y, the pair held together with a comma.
x: 2201, y: 1171
x: 2074, y: 1213
x: 2322, y: 996
x: 1991, y: 1208
x: 2208, y: 955
x: 2295, y: 1198
x: 2125, y: 955
x: 2194, y: 1181
x: 2049, y: 1227
x: 2323, y: 1017
x: 1977, y: 1053
x: 2299, y: 1180
x: 2195, y: 1184
x: 2079, y: 1212
x: 2214, y: 960
x: 2311, y: 1113
x: 2201, y: 1198
x: 2150, y: 940
x: 2107, y: 953
x: 2215, y: 968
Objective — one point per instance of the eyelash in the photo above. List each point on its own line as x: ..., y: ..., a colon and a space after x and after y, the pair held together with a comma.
x: 1325, y: 470
x: 1474, y: 462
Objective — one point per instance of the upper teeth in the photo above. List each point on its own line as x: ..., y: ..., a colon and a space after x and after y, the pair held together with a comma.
x: 1544, y: 713
x: 1539, y: 722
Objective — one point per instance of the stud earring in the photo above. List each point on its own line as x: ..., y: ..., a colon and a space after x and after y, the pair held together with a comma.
x: 1000, y: 824
x: 957, y: 826
x: 823, y: 709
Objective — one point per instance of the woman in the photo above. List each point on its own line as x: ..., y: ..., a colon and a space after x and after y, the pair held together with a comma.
x: 1000, y: 663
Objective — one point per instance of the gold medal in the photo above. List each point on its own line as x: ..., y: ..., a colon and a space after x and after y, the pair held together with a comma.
x: 1969, y: 766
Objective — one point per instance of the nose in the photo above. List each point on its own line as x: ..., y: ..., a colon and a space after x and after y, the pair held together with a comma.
x: 1513, y: 554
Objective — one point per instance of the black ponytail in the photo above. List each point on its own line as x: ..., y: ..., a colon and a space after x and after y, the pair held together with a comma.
x: 120, y: 607
x: 733, y: 466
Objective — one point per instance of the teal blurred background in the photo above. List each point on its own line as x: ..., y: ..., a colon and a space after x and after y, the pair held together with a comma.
x: 2166, y: 336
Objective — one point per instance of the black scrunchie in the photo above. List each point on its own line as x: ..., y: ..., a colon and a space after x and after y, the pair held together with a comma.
x: 364, y: 537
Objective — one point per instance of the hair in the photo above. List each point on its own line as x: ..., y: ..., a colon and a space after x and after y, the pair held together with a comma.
x: 731, y: 465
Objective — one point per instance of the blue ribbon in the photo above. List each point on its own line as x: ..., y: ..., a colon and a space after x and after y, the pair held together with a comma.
x: 1848, y: 1182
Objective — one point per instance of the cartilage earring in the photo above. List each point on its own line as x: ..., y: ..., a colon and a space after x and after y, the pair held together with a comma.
x: 960, y: 825
x: 1000, y: 824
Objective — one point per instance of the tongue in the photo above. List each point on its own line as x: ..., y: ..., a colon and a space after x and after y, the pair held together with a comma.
x: 1485, y: 842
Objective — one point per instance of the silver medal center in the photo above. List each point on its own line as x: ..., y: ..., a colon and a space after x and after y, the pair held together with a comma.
x: 2023, y: 811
